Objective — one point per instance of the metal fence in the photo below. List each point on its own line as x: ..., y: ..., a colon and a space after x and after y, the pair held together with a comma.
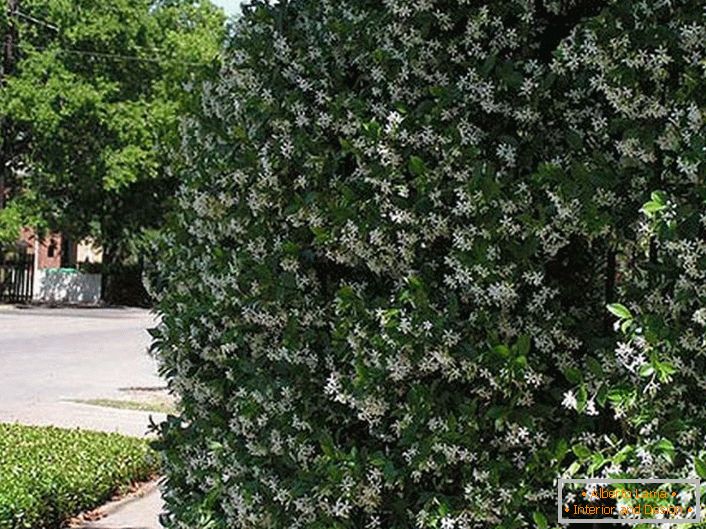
x: 16, y: 278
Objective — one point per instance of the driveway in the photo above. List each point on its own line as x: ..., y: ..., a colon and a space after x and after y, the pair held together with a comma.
x: 50, y: 357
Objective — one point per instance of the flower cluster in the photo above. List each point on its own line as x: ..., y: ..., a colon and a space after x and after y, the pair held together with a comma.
x: 384, y: 299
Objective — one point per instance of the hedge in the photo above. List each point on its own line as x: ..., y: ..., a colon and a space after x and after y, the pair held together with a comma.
x: 48, y: 474
x: 431, y: 256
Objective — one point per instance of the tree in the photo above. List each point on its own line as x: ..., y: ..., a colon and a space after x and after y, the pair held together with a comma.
x: 99, y: 90
x: 432, y: 255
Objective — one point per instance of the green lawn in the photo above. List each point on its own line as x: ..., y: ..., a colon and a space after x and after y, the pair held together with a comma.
x: 154, y: 406
x: 50, y: 474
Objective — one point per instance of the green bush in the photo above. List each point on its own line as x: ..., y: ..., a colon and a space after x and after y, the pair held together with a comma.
x: 433, y: 255
x: 50, y: 474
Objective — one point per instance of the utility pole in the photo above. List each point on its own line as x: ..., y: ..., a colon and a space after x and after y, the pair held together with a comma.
x: 9, y: 59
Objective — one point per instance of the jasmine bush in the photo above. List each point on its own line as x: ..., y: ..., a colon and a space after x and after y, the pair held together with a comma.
x: 433, y: 255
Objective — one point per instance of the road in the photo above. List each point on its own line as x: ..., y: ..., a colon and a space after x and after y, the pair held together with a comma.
x: 51, y: 356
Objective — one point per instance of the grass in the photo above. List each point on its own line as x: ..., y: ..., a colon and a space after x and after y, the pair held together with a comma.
x: 49, y: 474
x: 156, y: 406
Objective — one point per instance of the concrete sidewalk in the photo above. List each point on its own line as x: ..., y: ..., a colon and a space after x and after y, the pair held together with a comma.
x: 135, y: 512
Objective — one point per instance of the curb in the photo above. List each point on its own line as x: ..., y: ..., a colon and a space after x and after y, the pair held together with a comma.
x: 86, y: 519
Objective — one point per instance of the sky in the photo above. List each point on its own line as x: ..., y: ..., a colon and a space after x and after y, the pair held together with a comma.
x: 231, y: 6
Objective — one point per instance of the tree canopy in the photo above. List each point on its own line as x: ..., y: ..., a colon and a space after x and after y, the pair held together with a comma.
x: 95, y: 102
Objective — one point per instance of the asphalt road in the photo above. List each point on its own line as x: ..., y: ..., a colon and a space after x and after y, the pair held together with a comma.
x: 50, y: 356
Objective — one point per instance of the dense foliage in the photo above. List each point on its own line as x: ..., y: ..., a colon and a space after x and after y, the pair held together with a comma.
x: 433, y: 255
x: 49, y: 474
x: 94, y: 102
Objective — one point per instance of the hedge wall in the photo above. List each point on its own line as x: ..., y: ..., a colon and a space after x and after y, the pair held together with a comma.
x: 432, y: 255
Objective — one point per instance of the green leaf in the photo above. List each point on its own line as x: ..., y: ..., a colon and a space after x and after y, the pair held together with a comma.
x: 488, y: 65
x: 664, y: 370
x: 372, y: 129
x: 650, y: 208
x: 581, y: 451
x: 437, y: 91
x: 700, y: 465
x: 540, y: 520
x: 502, y: 350
x: 645, y: 370
x: 621, y: 311
x: 595, y: 366
x: 623, y: 454
x: 617, y: 396
x: 659, y: 197
x: 657, y: 203
x: 560, y: 450
x: 389, y: 471
x: 523, y: 344
x: 602, y: 395
x: 573, y: 375
x: 496, y: 411
x: 666, y: 448
x: 417, y: 166
x: 575, y: 140
x: 597, y: 461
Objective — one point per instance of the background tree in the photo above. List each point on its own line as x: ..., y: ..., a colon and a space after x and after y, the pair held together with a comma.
x: 98, y: 91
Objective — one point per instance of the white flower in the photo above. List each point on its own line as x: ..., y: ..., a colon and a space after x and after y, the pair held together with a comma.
x: 569, y: 401
x: 700, y: 317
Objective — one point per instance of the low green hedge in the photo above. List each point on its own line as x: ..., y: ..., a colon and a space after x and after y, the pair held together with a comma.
x: 50, y: 474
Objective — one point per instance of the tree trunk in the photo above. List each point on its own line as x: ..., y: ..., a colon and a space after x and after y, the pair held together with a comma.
x: 107, y: 264
x: 111, y: 260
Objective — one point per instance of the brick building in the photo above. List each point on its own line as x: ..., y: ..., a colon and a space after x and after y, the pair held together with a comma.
x: 58, y: 269
x: 58, y: 251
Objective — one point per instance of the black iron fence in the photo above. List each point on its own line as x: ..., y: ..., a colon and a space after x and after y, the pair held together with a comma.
x: 16, y: 278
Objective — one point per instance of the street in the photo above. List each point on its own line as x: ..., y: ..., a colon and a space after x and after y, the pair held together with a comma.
x: 51, y: 357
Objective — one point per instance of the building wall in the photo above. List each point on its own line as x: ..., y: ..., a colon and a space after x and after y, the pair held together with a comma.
x: 88, y: 252
x: 67, y: 286
x: 50, y: 252
x: 27, y: 240
x: 48, y: 249
x: 51, y: 283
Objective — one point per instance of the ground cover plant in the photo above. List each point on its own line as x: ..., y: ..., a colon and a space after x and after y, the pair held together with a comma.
x: 432, y: 256
x: 50, y: 474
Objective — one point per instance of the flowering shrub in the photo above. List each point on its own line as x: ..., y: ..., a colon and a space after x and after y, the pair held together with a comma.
x: 433, y: 255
